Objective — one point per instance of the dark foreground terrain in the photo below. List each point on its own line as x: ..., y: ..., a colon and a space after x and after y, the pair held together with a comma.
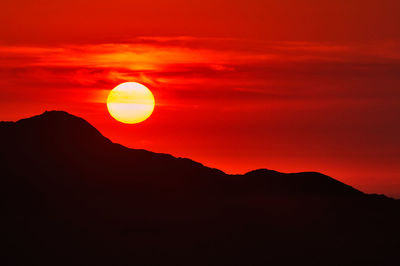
x: 69, y: 196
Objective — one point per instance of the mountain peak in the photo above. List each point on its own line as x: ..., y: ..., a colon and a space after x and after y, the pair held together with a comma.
x: 53, y: 127
x: 54, y: 115
x: 57, y: 113
x: 262, y: 171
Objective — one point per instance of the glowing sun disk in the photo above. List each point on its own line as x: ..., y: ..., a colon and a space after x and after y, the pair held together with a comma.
x: 130, y: 102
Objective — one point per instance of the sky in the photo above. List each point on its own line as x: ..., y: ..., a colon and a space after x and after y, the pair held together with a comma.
x: 239, y: 85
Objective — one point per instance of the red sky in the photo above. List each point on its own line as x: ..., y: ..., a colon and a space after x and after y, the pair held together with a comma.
x: 239, y: 85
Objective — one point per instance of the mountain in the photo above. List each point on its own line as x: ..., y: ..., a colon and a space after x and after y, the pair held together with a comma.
x: 70, y: 196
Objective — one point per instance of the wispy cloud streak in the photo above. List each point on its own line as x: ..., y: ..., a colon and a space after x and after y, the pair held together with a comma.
x: 194, y: 68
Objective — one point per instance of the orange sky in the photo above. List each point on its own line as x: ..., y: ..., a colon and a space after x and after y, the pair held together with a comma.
x: 239, y: 85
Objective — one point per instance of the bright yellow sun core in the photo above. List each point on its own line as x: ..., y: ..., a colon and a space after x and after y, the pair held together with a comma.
x: 130, y: 102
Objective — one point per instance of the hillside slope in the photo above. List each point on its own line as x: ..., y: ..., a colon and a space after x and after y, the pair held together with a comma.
x: 72, y: 197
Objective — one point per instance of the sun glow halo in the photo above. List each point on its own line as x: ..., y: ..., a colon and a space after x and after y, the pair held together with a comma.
x: 130, y: 102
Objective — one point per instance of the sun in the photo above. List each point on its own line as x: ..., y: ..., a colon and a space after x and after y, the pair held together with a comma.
x: 130, y: 102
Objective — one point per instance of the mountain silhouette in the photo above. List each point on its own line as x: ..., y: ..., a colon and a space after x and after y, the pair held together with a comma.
x: 70, y: 196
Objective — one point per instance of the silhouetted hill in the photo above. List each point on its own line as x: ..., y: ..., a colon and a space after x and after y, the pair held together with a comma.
x: 72, y: 197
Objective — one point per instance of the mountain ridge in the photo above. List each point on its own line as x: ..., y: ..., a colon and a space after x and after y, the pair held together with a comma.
x: 70, y: 196
x: 53, y: 121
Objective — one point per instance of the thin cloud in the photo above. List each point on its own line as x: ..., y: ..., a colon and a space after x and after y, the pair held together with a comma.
x: 197, y: 68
